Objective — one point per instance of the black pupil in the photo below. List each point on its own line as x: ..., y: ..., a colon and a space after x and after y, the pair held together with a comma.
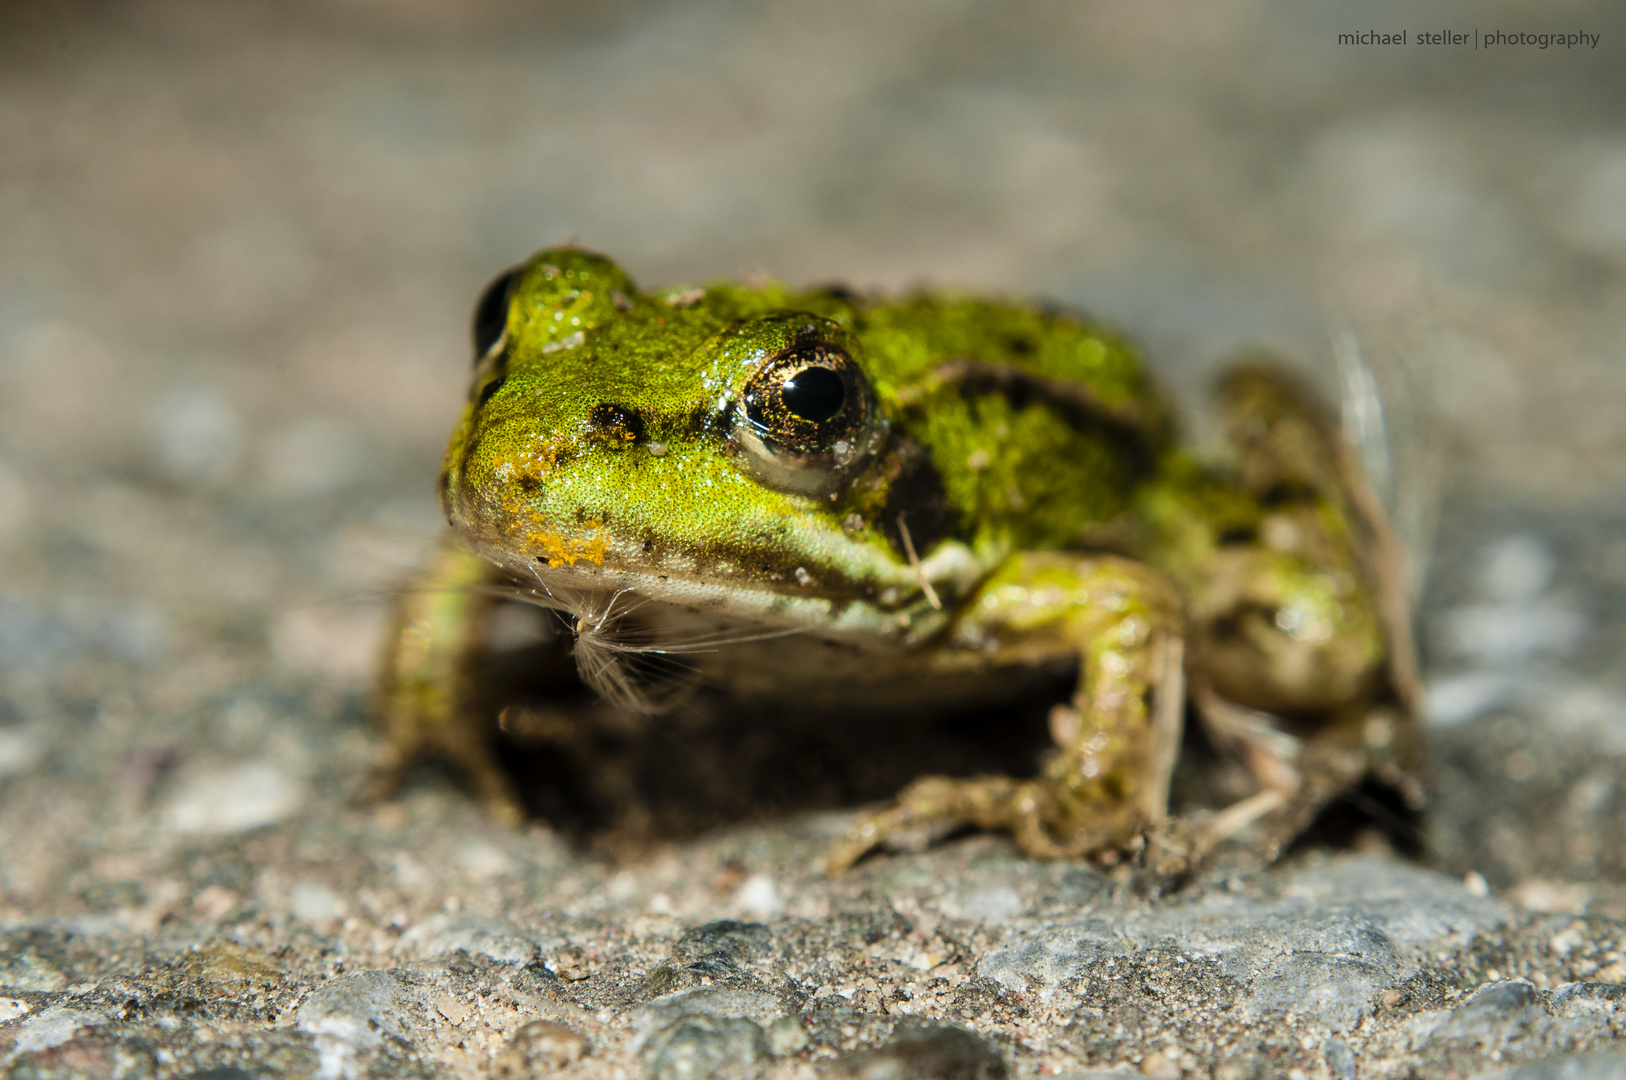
x: 815, y: 394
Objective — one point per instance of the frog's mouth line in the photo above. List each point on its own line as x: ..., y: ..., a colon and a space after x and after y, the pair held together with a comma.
x: 753, y: 608
x: 789, y: 576
x: 637, y: 630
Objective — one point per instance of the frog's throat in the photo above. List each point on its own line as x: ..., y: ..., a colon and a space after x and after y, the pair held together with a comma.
x: 902, y: 611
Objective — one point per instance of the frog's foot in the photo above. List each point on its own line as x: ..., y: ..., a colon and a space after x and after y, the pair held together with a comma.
x: 1168, y: 853
x: 1297, y: 777
x: 1254, y: 831
x: 474, y: 764
x: 1293, y: 782
x: 1252, y: 737
x: 1029, y: 810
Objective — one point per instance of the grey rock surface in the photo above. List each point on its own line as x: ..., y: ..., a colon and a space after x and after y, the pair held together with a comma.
x: 239, y: 247
x: 1595, y: 1066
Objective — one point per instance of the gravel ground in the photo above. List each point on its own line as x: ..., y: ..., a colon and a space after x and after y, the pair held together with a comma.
x: 238, y: 243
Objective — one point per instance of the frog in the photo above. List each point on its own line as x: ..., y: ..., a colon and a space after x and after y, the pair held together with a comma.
x: 901, y: 504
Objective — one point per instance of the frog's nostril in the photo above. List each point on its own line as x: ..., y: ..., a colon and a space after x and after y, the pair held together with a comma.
x: 616, y: 424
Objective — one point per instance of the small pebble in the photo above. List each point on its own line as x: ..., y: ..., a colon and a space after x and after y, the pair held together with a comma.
x: 1160, y: 1066
x: 313, y: 903
x: 759, y: 896
x: 923, y: 1051
x: 539, y: 1048
x: 234, y: 798
x: 706, y: 1048
x: 199, y: 436
x: 786, y: 1035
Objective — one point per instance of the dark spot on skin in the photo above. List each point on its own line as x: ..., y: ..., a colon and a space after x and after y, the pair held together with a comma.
x: 529, y: 484
x: 1286, y: 492
x: 491, y: 388
x: 839, y: 292
x: 1235, y: 535
x: 616, y: 425
x: 916, y: 491
x: 1021, y: 346
x: 543, y: 559
x: 1141, y: 429
x: 649, y: 545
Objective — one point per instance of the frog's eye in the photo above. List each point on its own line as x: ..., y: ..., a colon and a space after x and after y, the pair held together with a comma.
x: 808, y: 420
x: 491, y: 313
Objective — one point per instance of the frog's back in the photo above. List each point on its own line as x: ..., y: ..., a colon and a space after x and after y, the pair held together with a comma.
x: 1040, y: 424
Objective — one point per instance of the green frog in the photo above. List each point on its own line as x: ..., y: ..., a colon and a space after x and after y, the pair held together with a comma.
x: 905, y: 505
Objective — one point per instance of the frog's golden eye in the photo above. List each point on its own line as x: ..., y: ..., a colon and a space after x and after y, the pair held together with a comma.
x: 491, y: 312
x: 808, y: 419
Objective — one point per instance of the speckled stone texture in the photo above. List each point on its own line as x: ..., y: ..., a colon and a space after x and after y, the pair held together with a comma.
x: 238, y: 244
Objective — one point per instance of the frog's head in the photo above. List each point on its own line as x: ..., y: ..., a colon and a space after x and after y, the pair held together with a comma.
x: 716, y: 448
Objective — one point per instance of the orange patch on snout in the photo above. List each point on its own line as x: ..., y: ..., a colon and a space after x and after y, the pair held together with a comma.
x: 539, y: 535
x: 568, y: 550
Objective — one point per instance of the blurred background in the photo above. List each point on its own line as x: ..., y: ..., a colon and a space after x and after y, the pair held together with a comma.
x: 239, y: 243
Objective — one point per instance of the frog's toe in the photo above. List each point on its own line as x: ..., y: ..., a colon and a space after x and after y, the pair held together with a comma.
x: 1027, y: 809
x: 932, y: 803
x: 1168, y: 853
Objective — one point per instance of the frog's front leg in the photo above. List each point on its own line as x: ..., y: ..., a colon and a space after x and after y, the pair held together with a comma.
x: 1116, y: 739
x: 425, y: 702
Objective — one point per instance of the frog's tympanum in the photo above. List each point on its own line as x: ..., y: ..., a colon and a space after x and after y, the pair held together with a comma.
x: 901, y: 505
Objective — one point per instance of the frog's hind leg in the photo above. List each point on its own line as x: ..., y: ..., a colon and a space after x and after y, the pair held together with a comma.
x: 1312, y: 623
x: 1288, y: 445
x: 1108, y: 778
